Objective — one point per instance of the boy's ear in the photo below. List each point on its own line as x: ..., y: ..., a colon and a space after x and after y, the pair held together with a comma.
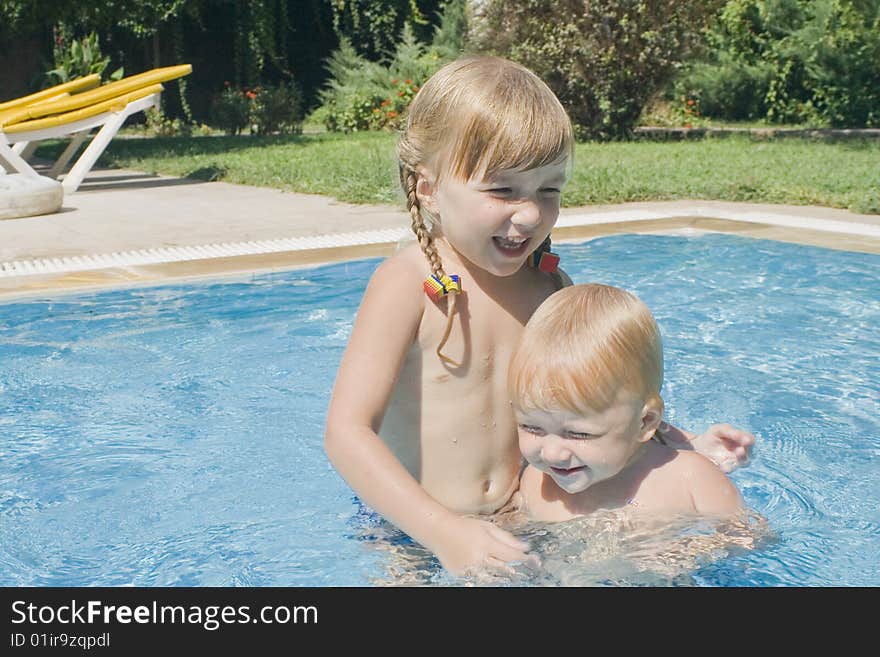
x: 426, y: 190
x: 652, y: 414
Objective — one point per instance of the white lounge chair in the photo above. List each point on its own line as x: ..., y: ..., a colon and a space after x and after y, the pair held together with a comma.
x: 54, y: 114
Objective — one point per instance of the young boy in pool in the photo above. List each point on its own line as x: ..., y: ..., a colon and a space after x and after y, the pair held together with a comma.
x: 585, y: 385
x: 420, y: 423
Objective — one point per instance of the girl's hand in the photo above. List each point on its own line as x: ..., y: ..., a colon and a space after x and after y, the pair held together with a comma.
x: 728, y: 447
x: 473, y: 546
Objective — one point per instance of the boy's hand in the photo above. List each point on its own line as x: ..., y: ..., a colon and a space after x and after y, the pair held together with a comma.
x: 728, y: 447
x: 471, y: 546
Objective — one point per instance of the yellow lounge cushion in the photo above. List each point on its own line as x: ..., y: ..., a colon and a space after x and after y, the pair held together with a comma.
x: 67, y: 88
x: 98, y: 95
x: 115, y: 104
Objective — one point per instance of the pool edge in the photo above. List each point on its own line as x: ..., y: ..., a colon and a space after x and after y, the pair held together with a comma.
x: 835, y: 235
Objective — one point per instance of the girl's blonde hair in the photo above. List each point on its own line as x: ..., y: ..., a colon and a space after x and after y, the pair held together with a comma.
x: 477, y: 116
x: 584, y: 344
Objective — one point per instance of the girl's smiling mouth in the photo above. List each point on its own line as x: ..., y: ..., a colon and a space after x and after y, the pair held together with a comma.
x: 512, y: 248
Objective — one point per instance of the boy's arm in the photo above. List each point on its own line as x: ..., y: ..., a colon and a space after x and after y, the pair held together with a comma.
x: 383, y: 333
x: 724, y: 445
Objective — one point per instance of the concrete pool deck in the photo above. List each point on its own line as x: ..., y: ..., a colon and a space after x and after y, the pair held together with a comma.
x: 131, y: 228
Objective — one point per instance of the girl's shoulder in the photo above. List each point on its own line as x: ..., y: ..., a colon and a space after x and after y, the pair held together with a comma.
x: 394, y: 291
x: 403, y: 271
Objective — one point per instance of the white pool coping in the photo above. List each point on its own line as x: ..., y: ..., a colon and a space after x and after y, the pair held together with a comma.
x: 765, y: 218
x: 172, y: 254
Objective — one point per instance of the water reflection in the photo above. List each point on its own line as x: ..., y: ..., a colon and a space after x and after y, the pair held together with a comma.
x: 607, y: 548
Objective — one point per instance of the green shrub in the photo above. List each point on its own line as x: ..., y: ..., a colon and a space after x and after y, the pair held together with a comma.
x: 264, y: 110
x: 845, y: 72
x: 354, y: 88
x: 231, y: 109
x: 729, y: 89
x: 159, y: 125
x: 365, y: 95
x: 276, y: 109
x: 352, y: 115
x: 798, y: 61
x: 604, y: 59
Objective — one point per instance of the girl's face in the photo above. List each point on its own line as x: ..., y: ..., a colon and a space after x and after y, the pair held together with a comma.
x: 496, y: 222
x: 581, y: 449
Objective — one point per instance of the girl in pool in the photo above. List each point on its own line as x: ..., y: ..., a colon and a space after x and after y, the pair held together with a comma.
x: 420, y: 424
x: 585, y: 384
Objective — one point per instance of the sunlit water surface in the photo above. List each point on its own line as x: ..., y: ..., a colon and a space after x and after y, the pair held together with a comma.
x: 173, y: 435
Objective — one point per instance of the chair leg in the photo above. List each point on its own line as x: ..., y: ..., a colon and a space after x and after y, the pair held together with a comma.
x: 87, y: 160
x: 28, y: 151
x: 69, y: 152
x: 12, y: 161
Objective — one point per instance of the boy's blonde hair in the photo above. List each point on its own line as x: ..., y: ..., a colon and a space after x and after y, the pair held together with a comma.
x: 584, y: 344
x: 478, y: 116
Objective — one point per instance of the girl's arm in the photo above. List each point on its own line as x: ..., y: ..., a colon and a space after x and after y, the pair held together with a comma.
x: 383, y: 333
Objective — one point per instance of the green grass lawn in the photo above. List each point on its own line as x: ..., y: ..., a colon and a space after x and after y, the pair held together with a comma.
x: 361, y: 168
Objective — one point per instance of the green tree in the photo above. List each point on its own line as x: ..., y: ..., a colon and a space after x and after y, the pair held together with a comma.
x: 373, y: 26
x: 604, y: 59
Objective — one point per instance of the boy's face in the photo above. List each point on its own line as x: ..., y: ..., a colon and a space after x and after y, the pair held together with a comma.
x: 496, y: 222
x: 580, y: 449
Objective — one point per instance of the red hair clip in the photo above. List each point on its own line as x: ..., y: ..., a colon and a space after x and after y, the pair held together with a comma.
x: 543, y: 259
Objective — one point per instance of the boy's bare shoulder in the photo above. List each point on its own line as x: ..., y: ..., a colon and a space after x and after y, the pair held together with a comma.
x: 682, y: 463
x: 710, y: 489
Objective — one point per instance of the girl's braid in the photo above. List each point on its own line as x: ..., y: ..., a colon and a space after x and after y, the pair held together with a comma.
x: 423, y: 235
x: 426, y: 242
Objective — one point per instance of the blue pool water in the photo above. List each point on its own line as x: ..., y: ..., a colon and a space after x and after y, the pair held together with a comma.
x: 173, y: 435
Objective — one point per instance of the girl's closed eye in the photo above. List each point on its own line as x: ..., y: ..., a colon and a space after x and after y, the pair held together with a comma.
x: 528, y: 428
x: 579, y: 435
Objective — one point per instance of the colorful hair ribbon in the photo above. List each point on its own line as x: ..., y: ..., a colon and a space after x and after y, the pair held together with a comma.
x: 438, y: 287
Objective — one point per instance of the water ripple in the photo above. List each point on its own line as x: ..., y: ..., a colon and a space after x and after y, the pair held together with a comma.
x: 172, y: 435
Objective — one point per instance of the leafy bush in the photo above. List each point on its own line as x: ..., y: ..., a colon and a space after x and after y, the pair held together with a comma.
x: 604, y: 59
x: 231, y: 110
x: 801, y: 61
x: 264, y: 110
x: 355, y: 87
x: 276, y: 109
x: 76, y: 58
x: 728, y: 89
x: 365, y: 95
x: 159, y: 125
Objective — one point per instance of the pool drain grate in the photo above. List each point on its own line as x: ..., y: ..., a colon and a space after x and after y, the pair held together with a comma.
x: 68, y: 264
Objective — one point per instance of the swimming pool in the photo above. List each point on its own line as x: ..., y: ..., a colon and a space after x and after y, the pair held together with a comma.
x: 173, y: 435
